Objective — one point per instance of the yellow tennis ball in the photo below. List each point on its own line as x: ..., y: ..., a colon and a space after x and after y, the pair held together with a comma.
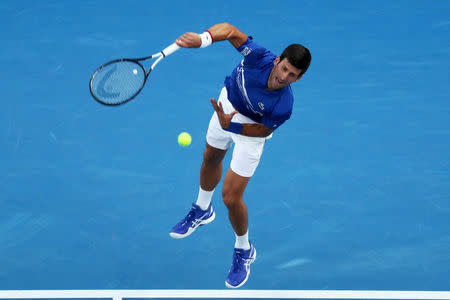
x: 184, y: 139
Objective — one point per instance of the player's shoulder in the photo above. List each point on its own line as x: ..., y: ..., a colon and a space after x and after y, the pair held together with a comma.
x: 252, y: 49
x: 285, y: 103
x: 287, y: 97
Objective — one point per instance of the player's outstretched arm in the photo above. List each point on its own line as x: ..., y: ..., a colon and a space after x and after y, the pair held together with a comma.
x: 218, y: 32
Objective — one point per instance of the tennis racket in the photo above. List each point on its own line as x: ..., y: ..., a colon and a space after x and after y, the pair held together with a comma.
x: 121, y: 80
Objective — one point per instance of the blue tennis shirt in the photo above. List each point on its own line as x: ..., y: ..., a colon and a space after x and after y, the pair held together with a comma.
x: 246, y: 88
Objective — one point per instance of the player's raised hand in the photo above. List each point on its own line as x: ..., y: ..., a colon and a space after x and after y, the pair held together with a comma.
x: 189, y: 40
x: 224, y: 119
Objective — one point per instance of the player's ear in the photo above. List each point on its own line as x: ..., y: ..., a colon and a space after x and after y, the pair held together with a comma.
x: 299, y: 76
x: 277, y: 60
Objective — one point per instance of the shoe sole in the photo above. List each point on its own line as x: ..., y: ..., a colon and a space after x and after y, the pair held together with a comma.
x: 246, y: 278
x: 191, y: 230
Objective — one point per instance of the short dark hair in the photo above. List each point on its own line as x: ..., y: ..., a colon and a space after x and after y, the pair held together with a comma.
x: 298, y: 55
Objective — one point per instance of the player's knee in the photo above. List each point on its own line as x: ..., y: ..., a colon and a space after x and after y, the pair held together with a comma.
x: 212, y: 157
x: 231, y: 196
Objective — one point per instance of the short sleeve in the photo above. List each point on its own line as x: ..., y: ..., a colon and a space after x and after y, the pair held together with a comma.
x: 252, y: 52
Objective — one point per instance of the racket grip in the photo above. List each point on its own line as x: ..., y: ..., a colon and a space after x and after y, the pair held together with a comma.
x: 171, y: 49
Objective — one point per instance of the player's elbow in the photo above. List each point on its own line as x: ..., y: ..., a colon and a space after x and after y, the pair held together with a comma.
x: 226, y: 25
x: 231, y: 31
x: 266, y: 134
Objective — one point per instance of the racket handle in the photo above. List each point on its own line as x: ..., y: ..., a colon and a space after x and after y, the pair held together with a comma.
x: 171, y: 49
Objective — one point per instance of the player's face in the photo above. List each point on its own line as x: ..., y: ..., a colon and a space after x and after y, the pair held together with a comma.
x: 282, y: 74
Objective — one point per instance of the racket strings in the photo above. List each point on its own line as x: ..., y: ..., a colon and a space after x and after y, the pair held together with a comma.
x: 118, y: 82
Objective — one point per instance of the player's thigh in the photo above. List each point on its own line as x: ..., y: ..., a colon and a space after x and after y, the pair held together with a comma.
x: 246, y: 155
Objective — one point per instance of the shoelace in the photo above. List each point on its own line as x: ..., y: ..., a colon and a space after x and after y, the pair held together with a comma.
x: 238, y: 261
x: 190, y: 216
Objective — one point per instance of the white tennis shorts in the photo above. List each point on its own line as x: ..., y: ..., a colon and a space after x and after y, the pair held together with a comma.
x: 247, y: 150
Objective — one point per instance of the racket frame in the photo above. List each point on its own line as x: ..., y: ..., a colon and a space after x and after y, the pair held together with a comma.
x: 160, y: 55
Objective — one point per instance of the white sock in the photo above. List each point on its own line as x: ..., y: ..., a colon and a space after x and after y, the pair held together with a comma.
x: 204, y: 198
x: 242, y: 241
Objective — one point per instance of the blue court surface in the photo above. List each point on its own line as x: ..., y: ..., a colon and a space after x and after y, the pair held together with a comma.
x: 353, y: 192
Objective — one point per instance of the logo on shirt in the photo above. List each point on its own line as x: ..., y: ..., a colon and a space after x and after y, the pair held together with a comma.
x: 261, y: 105
x: 246, y: 51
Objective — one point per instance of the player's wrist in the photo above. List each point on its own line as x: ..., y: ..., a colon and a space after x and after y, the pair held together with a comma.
x: 234, y: 127
x: 206, y: 38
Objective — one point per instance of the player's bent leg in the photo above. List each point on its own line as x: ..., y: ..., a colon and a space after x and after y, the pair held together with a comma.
x: 209, y: 177
x: 232, y: 193
x: 246, y: 156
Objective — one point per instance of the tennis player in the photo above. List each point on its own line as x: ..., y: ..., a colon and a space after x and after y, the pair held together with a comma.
x: 256, y: 100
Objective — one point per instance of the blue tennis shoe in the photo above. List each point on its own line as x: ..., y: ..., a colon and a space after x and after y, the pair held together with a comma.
x: 195, y: 218
x: 240, y: 267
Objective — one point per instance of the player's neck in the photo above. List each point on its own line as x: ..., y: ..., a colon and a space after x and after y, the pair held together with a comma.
x: 269, y: 80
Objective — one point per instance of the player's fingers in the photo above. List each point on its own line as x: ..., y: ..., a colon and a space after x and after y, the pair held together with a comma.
x: 214, y: 104
x: 189, y: 40
x: 182, y: 41
x: 220, y: 107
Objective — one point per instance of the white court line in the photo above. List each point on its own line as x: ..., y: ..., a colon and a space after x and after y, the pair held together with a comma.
x: 248, y: 294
